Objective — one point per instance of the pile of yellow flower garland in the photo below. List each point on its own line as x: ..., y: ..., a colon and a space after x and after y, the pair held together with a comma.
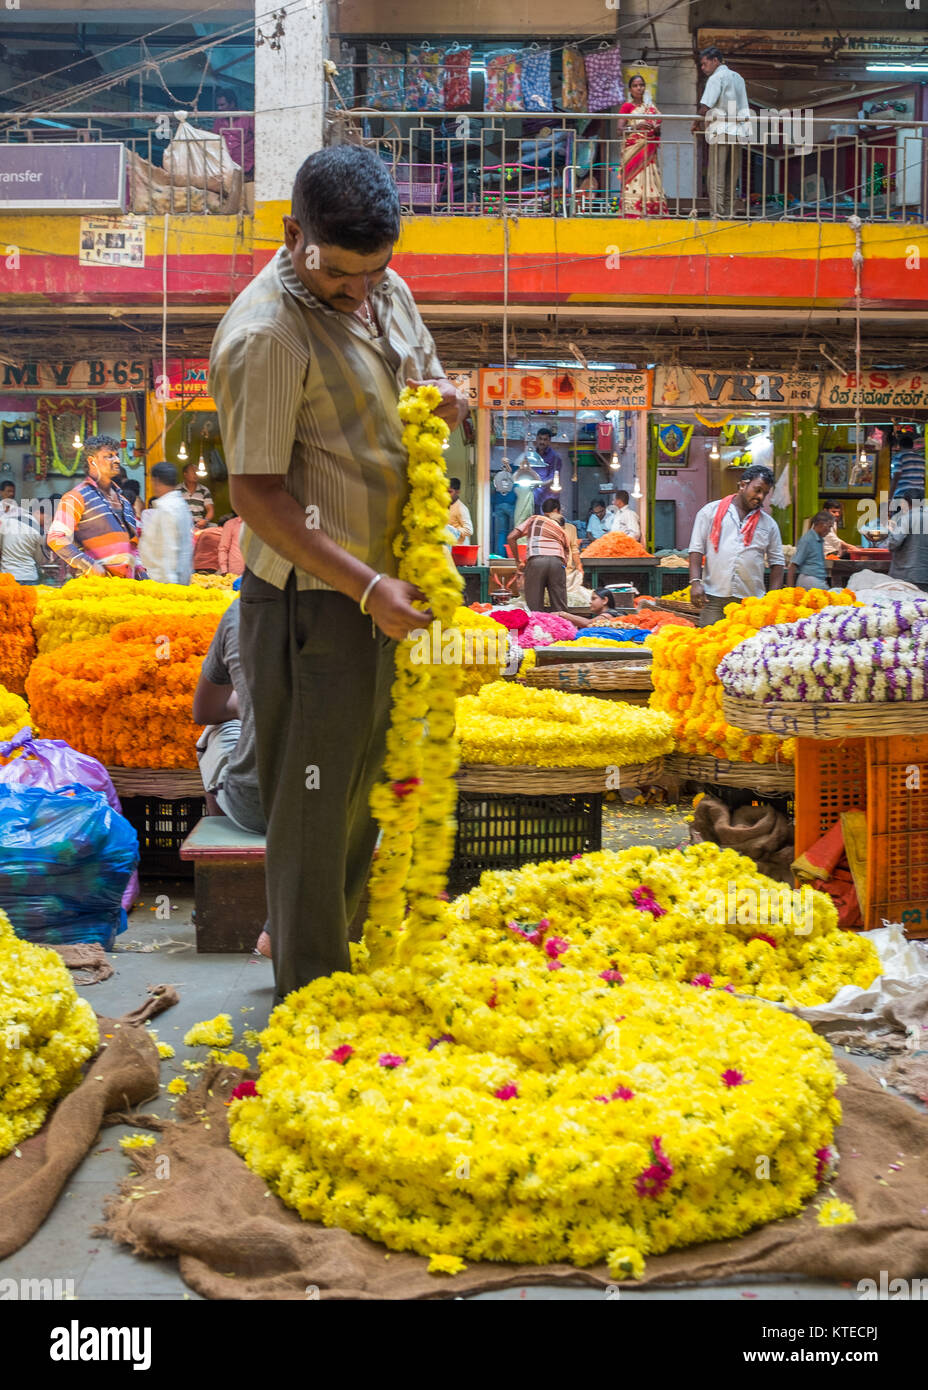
x: 562, y: 1076
x: 543, y: 1070
x: 14, y: 715
x: 512, y: 726
x: 46, y: 1034
x: 479, y: 631
x: 94, y: 605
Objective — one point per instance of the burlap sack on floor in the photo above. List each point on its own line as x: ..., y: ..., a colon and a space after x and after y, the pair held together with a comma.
x: 123, y: 1073
x: 235, y: 1240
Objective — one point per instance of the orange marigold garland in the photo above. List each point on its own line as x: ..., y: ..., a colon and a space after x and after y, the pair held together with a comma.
x: 126, y: 698
x: 17, y: 641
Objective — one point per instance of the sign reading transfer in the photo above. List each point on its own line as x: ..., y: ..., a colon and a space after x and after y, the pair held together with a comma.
x: 63, y: 177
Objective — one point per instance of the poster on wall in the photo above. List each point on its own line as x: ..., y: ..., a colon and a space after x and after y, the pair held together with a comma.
x: 112, y: 241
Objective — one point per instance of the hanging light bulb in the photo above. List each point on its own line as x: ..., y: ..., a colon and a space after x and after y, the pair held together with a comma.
x: 201, y: 468
x: 555, y: 483
x: 714, y: 454
x: 76, y: 442
x: 182, y: 453
x: 637, y: 494
x: 614, y: 463
x: 863, y: 456
x: 527, y: 475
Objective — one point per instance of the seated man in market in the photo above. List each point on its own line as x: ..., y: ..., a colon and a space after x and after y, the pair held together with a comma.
x: 735, y: 539
x: 807, y: 567
x: 95, y: 530
x: 908, y: 539
x: 226, y: 748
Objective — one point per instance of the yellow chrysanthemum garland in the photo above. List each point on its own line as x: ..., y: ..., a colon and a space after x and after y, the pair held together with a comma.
x: 46, y: 1034
x: 414, y: 806
x: 549, y: 1082
x: 93, y: 605
x: 14, y: 715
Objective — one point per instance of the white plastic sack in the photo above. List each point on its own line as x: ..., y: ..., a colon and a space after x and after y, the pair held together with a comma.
x: 200, y: 159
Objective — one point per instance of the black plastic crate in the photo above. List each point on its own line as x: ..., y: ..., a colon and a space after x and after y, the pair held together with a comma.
x: 162, y: 827
x: 501, y: 831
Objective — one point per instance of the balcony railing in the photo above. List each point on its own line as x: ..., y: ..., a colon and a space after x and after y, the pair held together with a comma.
x: 481, y: 164
x: 171, y: 166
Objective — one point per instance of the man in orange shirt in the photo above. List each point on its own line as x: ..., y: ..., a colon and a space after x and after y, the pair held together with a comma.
x: 547, y: 556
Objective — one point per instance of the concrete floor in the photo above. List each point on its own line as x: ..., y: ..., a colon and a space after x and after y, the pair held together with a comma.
x: 153, y: 952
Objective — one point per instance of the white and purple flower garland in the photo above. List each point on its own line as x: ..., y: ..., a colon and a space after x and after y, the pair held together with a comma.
x: 861, y: 655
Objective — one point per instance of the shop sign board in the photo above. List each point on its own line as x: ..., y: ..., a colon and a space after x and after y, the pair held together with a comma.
x: 65, y: 177
x: 738, y: 43
x: 566, y: 390
x: 886, y: 390
x: 689, y: 388
x: 85, y: 374
x: 187, y: 376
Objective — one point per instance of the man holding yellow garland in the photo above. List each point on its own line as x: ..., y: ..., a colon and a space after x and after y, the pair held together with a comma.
x: 306, y: 371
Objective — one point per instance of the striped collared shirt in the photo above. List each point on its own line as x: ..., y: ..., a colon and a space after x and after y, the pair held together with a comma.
x: 544, y: 537
x: 304, y: 391
x: 91, y: 529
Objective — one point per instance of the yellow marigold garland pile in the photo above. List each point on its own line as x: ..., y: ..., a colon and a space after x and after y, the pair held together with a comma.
x: 46, y: 1034
x: 511, y: 726
x: 414, y: 806
x: 17, y: 640
x: 563, y: 1075
x: 483, y: 638
x: 126, y: 698
x: 94, y: 605
x: 686, y: 685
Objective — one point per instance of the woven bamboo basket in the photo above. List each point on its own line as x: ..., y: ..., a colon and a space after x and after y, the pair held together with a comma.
x: 808, y: 719
x: 167, y: 783
x: 552, y: 781
x: 600, y: 675
x: 775, y: 779
x: 677, y: 605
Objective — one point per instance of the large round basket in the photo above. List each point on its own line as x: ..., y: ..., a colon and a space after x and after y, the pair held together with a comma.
x: 600, y: 675
x: 805, y: 719
x: 553, y: 781
x: 168, y: 783
x: 771, y: 779
x: 677, y: 605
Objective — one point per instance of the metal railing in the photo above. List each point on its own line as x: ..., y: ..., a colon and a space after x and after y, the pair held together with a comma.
x: 480, y: 164
x: 166, y: 171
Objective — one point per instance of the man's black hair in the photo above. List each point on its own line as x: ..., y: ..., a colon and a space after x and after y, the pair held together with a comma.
x: 712, y: 52
x: 550, y: 504
x: 546, y: 431
x: 8, y: 482
x: 598, y: 502
x: 757, y: 470
x: 620, y: 495
x: 131, y: 487
x: 94, y: 442
x: 455, y: 483
x: 905, y: 438
x: 821, y: 517
x: 344, y: 196
x: 165, y: 473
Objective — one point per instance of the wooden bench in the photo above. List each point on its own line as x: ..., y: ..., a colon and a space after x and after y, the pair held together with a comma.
x: 231, y: 906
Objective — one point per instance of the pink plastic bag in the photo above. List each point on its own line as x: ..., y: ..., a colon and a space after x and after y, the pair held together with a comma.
x: 51, y: 764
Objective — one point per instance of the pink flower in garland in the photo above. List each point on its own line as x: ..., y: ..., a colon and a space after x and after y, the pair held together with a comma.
x: 555, y: 965
x: 403, y: 788
x: 645, y: 901
x: 612, y: 976
x: 824, y: 1163
x: 534, y: 938
x: 762, y: 936
x: 657, y: 1175
x: 507, y: 1092
x: 341, y: 1054
x: 728, y: 989
x: 734, y: 1078
x: 390, y: 1059
x: 703, y: 981
x: 244, y: 1088
x: 444, y: 1037
x: 622, y: 1093
x: 556, y: 946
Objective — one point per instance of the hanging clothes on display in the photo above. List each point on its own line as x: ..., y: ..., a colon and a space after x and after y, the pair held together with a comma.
x: 385, y: 78
x: 423, y: 78
x: 455, y: 78
x: 536, y: 79
x: 604, y: 77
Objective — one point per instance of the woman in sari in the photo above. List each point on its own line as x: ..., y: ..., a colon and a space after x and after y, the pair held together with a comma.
x: 642, y: 189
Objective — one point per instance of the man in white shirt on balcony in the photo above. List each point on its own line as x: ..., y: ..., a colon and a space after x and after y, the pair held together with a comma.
x: 726, y: 122
x: 167, y: 530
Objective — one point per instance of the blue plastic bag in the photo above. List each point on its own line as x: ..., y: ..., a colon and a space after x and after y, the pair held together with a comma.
x: 64, y: 860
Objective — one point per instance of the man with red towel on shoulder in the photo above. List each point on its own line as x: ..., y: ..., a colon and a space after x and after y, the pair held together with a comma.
x: 737, y: 539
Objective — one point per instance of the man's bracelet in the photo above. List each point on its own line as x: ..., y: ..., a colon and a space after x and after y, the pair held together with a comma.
x: 364, y: 597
